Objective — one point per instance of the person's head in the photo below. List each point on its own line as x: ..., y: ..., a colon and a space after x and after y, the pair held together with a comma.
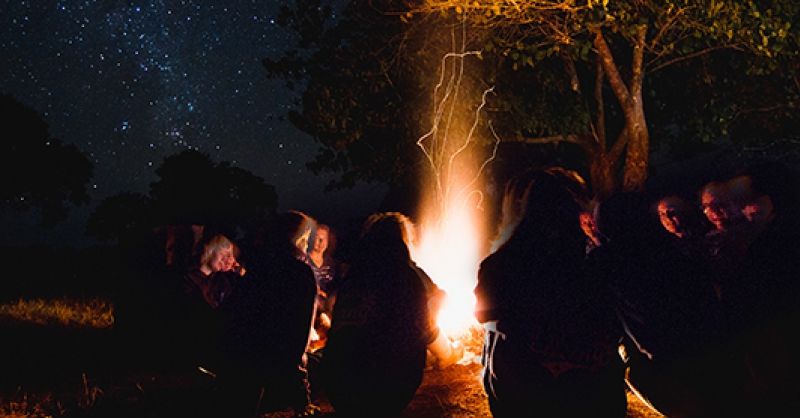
x: 389, y: 233
x: 218, y: 255
x: 718, y: 207
x: 573, y: 182
x: 539, y: 204
x: 671, y: 212
x: 589, y: 227
x: 286, y: 232
x: 770, y: 189
x: 625, y: 218
x: 320, y: 239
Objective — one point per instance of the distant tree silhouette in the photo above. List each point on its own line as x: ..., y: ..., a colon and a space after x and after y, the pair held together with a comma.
x: 36, y: 170
x: 193, y: 189
x: 183, y: 194
x: 120, y: 216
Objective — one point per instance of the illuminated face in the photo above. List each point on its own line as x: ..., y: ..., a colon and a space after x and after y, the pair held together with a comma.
x: 759, y: 211
x: 715, y: 210
x: 320, y: 241
x: 668, y: 215
x: 589, y: 228
x: 223, y: 260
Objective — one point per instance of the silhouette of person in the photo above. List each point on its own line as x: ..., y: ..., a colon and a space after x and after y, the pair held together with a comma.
x: 763, y: 297
x: 551, y: 334
x: 376, y: 350
x: 667, y: 306
x: 269, y: 321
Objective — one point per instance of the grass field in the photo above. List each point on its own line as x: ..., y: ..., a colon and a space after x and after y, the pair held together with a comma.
x: 91, y: 313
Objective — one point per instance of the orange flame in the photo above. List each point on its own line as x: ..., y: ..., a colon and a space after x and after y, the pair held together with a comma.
x: 450, y: 250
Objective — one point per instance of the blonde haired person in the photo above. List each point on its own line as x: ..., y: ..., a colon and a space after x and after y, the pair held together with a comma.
x: 218, y: 256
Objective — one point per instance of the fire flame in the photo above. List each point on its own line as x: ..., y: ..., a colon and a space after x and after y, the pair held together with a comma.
x: 451, y: 239
x: 450, y: 252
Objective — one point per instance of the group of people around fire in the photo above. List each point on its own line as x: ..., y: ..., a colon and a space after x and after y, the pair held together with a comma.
x: 259, y: 313
x: 694, y: 301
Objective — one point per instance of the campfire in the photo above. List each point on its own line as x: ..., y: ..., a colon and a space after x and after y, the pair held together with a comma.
x: 452, y: 229
x: 450, y: 248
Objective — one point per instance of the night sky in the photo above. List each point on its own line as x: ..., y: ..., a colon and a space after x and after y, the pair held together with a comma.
x: 130, y: 83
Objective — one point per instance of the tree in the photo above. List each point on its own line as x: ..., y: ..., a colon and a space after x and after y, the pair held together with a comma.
x: 357, y: 69
x: 120, y: 217
x: 36, y: 170
x: 623, y: 41
x: 193, y: 189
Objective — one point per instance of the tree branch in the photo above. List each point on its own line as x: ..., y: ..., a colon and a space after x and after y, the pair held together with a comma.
x: 610, y: 67
x: 690, y: 56
x: 618, y: 147
x: 636, y: 65
x: 664, y: 28
x: 600, y: 130
x: 579, y: 139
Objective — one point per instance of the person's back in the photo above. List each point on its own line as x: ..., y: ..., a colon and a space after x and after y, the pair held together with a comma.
x: 551, y: 333
x: 270, y: 314
x: 763, y: 299
x: 268, y: 323
x: 376, y: 349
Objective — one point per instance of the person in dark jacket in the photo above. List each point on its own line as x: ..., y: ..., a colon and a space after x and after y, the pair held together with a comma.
x: 268, y: 323
x: 376, y: 349
x: 762, y: 300
x: 551, y: 334
x: 668, y: 306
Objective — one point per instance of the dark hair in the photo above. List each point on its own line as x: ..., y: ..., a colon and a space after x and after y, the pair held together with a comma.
x: 776, y: 180
x: 280, y: 232
x: 387, y: 232
x: 540, y: 204
x: 626, y: 216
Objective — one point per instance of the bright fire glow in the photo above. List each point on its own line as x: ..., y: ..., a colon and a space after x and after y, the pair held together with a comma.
x: 451, y: 239
x: 450, y: 252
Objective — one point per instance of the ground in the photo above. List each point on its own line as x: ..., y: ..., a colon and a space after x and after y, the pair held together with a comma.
x: 57, y: 371
x: 455, y: 391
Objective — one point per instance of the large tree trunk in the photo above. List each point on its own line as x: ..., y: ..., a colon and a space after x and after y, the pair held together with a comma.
x: 635, y: 133
x: 601, y: 174
x: 637, y: 155
x: 638, y: 150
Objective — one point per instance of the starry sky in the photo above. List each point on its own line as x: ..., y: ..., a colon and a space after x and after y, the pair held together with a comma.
x: 131, y: 82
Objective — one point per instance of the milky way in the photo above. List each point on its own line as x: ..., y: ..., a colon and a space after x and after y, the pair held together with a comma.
x: 132, y: 82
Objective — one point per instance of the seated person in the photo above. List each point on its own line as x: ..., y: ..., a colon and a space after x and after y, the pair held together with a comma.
x: 217, y: 267
x: 322, y: 264
x: 268, y: 324
x: 376, y: 351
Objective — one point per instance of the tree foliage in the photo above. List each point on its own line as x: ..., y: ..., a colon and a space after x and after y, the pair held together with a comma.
x: 623, y: 44
x: 37, y: 170
x: 120, y: 216
x: 356, y: 69
x: 603, y: 75
x: 191, y: 189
